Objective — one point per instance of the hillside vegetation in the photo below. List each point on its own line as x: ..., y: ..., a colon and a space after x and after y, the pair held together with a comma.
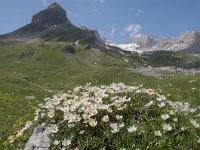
x: 30, y: 72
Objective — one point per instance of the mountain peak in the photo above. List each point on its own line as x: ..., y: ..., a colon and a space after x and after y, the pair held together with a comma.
x: 54, y: 5
x: 53, y: 15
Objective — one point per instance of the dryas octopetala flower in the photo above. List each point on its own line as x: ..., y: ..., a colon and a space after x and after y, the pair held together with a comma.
x: 165, y: 116
x: 119, y: 117
x: 114, y: 127
x: 66, y: 142
x: 167, y: 127
x: 56, y: 142
x: 93, y: 112
x: 92, y: 122
x: 105, y: 118
x: 81, y: 132
x: 54, y: 128
x: 115, y: 130
x: 71, y: 125
x: 158, y: 133
x: 195, y: 123
x: 51, y: 113
x: 161, y: 105
x: 175, y: 119
x: 161, y: 98
x: 149, y: 103
x: 198, y: 140
x: 121, y: 125
x: 132, y: 129
x: 109, y: 110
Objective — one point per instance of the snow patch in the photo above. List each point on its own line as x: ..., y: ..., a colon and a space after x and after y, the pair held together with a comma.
x: 127, y: 47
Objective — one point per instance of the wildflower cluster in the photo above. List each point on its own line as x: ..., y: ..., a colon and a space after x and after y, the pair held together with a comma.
x: 103, y: 116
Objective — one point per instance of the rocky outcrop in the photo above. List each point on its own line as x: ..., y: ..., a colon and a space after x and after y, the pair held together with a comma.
x: 52, y: 24
x: 187, y: 41
x: 192, y: 37
x: 68, y: 49
x: 144, y: 40
x: 53, y: 15
x: 39, y: 140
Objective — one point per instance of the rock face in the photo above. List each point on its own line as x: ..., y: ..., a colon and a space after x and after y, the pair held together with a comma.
x: 39, y: 140
x: 192, y: 37
x: 144, y: 40
x: 53, y: 15
x: 188, y: 42
x: 51, y: 24
x: 68, y: 49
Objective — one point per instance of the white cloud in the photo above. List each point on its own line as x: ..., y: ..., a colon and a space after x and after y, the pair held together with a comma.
x: 44, y: 2
x: 113, y: 30
x: 139, y: 12
x: 100, y: 1
x: 133, y: 29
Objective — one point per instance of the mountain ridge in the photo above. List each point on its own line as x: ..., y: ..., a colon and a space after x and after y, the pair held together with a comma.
x: 51, y: 23
x: 184, y: 41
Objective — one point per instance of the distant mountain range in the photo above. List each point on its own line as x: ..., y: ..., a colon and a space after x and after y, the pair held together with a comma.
x: 188, y: 42
x: 53, y: 24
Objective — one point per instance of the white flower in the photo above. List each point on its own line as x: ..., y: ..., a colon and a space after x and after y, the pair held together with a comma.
x: 172, y: 112
x: 167, y: 127
x: 72, y: 119
x: 114, y: 127
x: 115, y: 130
x: 132, y: 129
x: 105, y: 118
x: 81, y: 132
x: 165, y: 116
x: 158, y: 133
x: 92, y: 122
x: 56, y: 142
x: 54, y: 128
x: 19, y: 134
x: 103, y: 107
x: 149, y: 103
x: 109, y: 110
x: 182, y: 128
x: 121, y: 125
x: 93, y: 112
x: 194, y: 123
x: 118, y: 117
x: 175, y: 120
x: 51, y: 113
x: 71, y: 125
x: 198, y: 140
x: 43, y: 115
x: 161, y: 105
x: 161, y: 98
x: 66, y: 142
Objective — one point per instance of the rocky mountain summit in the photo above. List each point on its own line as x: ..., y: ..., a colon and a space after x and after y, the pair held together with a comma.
x: 51, y: 24
x: 187, y: 41
x: 53, y: 15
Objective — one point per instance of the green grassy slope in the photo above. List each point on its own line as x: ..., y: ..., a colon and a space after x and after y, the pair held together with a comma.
x: 42, y: 69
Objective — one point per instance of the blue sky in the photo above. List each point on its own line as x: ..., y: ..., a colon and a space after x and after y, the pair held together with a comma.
x: 117, y: 20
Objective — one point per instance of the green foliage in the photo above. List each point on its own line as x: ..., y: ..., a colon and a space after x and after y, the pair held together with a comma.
x: 41, y: 69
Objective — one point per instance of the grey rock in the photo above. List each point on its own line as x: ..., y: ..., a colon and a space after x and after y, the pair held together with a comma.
x: 68, y: 49
x: 39, y: 140
x: 188, y: 41
x: 53, y: 15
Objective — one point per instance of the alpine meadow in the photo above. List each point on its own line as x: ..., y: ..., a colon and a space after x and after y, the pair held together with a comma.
x: 65, y: 87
